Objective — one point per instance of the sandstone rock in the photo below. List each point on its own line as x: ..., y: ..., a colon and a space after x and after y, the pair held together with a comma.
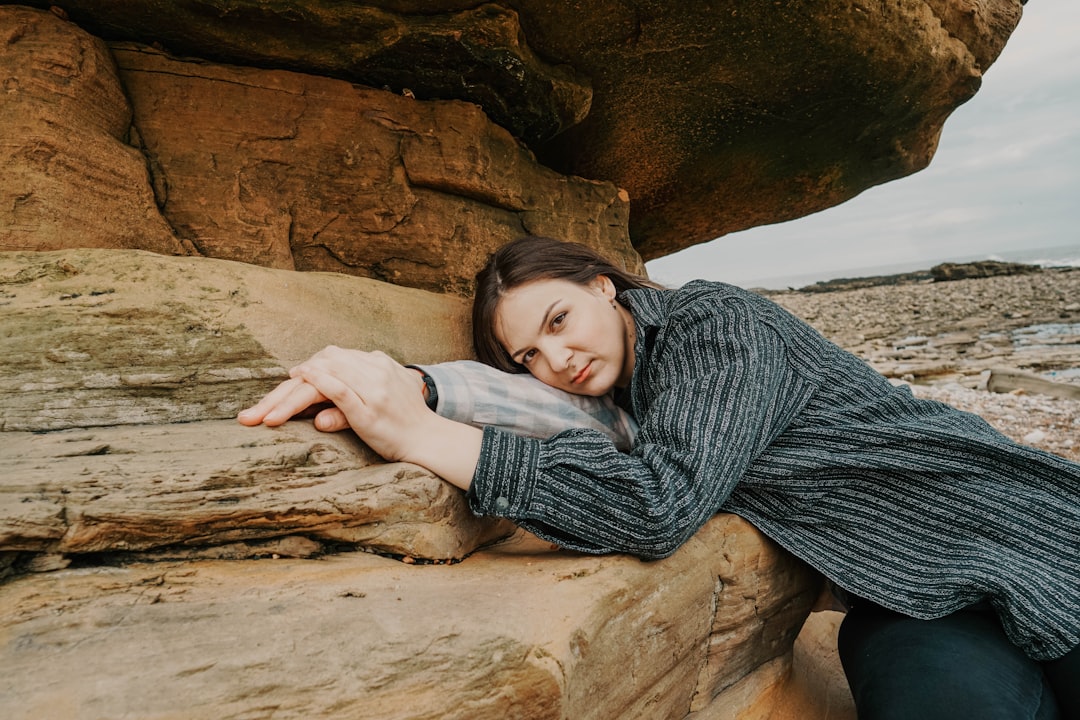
x: 99, y: 338
x: 125, y: 489
x: 714, y: 118
x: 68, y: 171
x: 717, y: 119
x: 431, y: 50
x: 511, y: 632
x: 816, y: 686
x: 146, y: 360
x: 273, y: 168
x: 113, y: 518
x: 308, y: 173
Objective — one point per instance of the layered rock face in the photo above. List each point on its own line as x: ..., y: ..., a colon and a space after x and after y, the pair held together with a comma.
x: 275, y: 168
x: 169, y: 166
x: 714, y: 117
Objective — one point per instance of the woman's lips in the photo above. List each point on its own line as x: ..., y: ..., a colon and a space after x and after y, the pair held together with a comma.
x: 583, y: 375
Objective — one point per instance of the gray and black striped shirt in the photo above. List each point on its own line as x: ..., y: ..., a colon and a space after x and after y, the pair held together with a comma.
x: 744, y: 408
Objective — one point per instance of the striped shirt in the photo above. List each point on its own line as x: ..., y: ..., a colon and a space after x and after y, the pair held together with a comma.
x: 744, y: 408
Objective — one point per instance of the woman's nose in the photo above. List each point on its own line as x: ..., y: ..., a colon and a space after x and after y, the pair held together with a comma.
x: 560, y: 357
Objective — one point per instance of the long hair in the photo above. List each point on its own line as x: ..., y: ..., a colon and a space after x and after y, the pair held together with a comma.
x: 534, y: 258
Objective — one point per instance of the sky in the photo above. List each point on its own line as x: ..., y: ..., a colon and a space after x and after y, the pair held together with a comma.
x: 1006, y: 177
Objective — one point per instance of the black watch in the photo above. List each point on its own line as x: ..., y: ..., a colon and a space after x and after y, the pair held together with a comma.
x: 432, y: 398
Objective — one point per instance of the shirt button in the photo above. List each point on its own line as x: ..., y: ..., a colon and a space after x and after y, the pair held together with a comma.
x: 501, y: 504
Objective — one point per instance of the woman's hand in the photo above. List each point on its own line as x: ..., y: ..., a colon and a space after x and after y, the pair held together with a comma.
x: 378, y: 398
x: 382, y: 401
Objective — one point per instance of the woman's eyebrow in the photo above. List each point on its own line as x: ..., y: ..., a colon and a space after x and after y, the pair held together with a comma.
x: 540, y: 330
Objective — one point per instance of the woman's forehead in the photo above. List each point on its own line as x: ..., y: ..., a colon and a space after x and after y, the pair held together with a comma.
x: 520, y: 310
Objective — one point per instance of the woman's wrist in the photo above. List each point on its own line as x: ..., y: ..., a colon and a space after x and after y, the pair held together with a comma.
x: 447, y: 448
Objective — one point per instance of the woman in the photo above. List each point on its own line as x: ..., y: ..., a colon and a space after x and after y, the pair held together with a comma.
x: 912, y: 508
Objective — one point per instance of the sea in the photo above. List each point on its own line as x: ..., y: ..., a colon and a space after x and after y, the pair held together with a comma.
x: 1061, y: 256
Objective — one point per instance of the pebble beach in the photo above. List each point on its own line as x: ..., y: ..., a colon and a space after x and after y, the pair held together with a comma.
x: 947, y: 339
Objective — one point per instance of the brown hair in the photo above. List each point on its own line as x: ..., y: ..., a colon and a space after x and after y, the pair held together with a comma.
x: 525, y: 260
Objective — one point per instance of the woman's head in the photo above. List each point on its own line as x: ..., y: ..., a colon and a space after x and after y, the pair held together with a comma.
x: 527, y: 260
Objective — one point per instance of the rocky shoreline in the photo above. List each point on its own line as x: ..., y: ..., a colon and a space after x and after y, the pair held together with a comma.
x: 946, y: 339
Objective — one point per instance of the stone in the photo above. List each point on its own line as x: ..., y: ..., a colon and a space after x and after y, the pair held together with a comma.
x: 217, y: 483
x: 96, y: 338
x: 955, y: 331
x: 714, y: 118
x: 514, y: 631
x: 131, y: 497
x: 274, y: 168
x: 309, y: 173
x: 1007, y: 380
x: 144, y: 360
x: 68, y: 170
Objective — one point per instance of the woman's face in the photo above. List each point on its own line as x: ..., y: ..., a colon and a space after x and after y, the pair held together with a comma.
x: 573, y: 337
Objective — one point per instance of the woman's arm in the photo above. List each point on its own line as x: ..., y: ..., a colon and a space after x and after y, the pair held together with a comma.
x: 469, y: 392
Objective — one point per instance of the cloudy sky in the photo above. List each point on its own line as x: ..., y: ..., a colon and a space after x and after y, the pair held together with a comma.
x: 1006, y: 177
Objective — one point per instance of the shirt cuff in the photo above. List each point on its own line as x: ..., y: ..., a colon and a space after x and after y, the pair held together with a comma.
x: 505, y: 474
x: 455, y: 396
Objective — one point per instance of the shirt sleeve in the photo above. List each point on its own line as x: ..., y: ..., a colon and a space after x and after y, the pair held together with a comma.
x: 722, y: 390
x: 479, y: 395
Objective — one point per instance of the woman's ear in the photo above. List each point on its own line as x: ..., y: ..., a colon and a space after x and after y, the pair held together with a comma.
x: 603, y: 284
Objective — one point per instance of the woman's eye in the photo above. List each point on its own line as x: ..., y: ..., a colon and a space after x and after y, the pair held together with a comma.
x: 558, y: 320
x: 527, y: 356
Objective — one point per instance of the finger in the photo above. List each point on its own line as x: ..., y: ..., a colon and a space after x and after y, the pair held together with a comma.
x: 302, y: 396
x: 348, y: 402
x: 282, y: 403
x: 331, y: 420
x: 255, y: 414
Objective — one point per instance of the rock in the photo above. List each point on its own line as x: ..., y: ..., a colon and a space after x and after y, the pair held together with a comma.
x: 118, y: 488
x: 870, y: 281
x: 99, y: 338
x: 308, y: 173
x: 714, y: 119
x: 68, y: 171
x: 984, y: 268
x: 279, y: 169
x: 1006, y: 380
x: 145, y: 360
x: 1034, y: 437
x: 125, y: 489
x: 954, y: 331
x: 816, y: 686
x: 132, y: 476
x: 963, y: 335
x: 717, y: 119
x: 511, y: 632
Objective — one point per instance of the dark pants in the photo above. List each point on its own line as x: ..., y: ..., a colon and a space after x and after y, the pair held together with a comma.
x: 960, y: 666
